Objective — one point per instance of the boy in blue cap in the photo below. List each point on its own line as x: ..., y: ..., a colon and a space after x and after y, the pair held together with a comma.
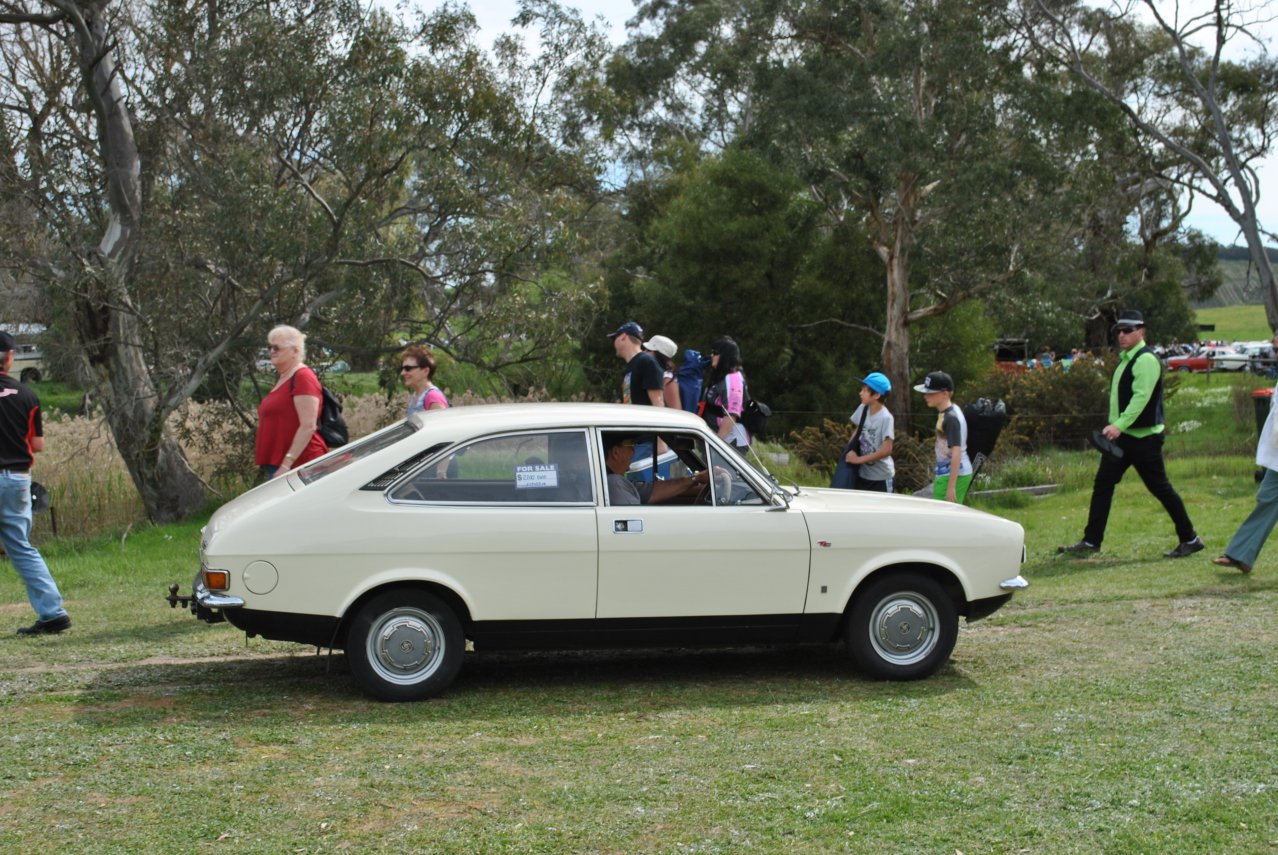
x: 871, y: 442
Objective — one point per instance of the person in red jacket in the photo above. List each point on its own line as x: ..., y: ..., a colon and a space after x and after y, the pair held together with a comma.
x: 289, y: 414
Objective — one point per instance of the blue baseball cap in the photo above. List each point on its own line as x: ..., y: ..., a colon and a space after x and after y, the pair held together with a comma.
x: 877, y: 382
x: 628, y: 328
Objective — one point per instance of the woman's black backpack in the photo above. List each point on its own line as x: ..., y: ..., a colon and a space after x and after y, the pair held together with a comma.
x: 332, y: 427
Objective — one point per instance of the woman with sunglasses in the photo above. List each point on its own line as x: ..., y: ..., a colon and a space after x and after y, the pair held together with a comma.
x: 417, y: 368
x: 289, y: 414
x: 724, y: 398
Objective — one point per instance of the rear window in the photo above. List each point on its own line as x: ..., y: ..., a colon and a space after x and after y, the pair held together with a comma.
x: 348, y: 454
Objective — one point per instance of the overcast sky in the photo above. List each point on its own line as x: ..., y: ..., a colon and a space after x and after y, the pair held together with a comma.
x: 494, y: 16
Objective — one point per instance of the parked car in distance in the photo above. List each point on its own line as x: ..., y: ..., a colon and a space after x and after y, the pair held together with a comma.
x: 28, y: 363
x: 1214, y: 358
x: 497, y: 526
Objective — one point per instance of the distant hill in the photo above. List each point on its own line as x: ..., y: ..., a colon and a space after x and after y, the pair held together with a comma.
x: 1241, y: 253
x: 1240, y: 285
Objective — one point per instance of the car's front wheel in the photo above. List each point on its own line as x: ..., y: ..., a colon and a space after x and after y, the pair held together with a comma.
x: 405, y: 646
x: 30, y: 375
x: 902, y: 627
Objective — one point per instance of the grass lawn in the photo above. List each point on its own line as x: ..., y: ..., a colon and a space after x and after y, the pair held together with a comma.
x: 1236, y: 323
x: 1123, y: 704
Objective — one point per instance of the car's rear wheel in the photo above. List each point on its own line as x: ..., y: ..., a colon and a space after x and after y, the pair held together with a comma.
x: 902, y: 627
x: 405, y: 645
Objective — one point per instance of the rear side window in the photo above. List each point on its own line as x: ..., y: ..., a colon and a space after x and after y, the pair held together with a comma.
x: 539, y: 468
x: 348, y: 454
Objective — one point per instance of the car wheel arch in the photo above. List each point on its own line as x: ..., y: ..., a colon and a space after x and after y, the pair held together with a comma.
x: 939, y: 574
x: 443, y: 592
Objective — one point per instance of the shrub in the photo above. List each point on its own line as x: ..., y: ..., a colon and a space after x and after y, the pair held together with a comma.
x: 820, y: 445
x: 1049, y: 406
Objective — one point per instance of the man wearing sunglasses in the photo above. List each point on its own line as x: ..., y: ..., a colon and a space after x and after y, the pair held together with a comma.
x: 1136, y: 428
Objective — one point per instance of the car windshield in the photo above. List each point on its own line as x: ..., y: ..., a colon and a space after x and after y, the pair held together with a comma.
x: 347, y: 454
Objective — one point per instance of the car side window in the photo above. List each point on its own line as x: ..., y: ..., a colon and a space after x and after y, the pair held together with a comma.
x: 551, y: 467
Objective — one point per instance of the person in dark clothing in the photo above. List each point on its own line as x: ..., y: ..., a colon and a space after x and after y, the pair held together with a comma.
x: 21, y: 436
x: 724, y: 396
x: 1136, y: 428
x: 642, y: 381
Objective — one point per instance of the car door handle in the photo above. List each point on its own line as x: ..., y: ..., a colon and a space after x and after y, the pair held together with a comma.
x: 627, y: 526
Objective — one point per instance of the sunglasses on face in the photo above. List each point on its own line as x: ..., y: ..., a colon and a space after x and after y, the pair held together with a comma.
x: 404, y: 368
x: 1127, y: 330
x: 275, y: 348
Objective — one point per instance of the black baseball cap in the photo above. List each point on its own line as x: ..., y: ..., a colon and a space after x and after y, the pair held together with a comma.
x: 937, y: 381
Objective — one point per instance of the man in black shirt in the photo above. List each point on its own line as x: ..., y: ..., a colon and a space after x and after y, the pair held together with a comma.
x: 642, y: 382
x: 21, y: 436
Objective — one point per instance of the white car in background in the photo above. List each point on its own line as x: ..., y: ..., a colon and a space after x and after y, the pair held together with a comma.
x: 494, y: 525
x: 28, y: 363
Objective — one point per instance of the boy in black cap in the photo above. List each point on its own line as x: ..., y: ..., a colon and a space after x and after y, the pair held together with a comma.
x: 953, y: 466
x: 21, y: 435
x: 1136, y: 427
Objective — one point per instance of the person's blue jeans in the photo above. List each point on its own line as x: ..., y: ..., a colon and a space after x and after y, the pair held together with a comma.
x: 15, y: 535
x: 1245, y: 545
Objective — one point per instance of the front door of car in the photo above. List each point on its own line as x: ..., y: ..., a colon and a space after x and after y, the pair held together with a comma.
x: 733, y: 555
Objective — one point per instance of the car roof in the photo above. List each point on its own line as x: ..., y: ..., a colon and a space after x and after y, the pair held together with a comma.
x: 486, y: 418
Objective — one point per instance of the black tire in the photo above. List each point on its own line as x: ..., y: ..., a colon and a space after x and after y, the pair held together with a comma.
x: 30, y: 375
x: 405, y: 645
x: 902, y: 627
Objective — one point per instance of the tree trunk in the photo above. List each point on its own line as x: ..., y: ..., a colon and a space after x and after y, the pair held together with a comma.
x: 896, y: 328
x: 107, y: 324
x: 1265, y: 270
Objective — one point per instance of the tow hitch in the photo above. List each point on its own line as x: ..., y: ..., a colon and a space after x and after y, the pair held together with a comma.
x: 207, y: 609
x: 174, y: 597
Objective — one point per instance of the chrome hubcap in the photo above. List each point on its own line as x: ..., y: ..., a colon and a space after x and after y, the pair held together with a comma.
x: 903, y: 628
x: 405, y: 645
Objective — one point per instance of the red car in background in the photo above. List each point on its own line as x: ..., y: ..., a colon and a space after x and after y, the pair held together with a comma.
x: 1213, y: 358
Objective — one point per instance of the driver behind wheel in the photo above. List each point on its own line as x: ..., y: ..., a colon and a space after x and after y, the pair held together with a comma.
x: 619, y: 450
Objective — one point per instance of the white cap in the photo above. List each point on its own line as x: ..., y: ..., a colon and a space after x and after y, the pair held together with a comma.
x: 662, y: 345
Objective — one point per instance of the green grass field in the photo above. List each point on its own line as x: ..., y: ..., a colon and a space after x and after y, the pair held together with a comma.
x: 1123, y: 704
x: 1236, y: 323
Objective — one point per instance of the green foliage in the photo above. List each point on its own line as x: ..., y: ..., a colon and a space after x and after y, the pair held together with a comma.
x: 738, y: 252
x: 1048, y: 406
x: 820, y: 445
x: 958, y: 343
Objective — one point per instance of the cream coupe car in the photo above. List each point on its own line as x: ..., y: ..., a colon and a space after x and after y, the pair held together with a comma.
x: 496, y: 525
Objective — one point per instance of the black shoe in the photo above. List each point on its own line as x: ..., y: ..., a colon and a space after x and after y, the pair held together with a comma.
x: 1189, y: 547
x: 1080, y: 548
x: 52, y: 626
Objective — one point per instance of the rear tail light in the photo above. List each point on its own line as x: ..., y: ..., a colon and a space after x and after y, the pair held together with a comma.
x: 217, y: 580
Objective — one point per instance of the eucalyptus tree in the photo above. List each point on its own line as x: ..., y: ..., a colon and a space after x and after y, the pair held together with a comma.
x: 1209, y: 119
x: 908, y: 121
x: 201, y: 170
